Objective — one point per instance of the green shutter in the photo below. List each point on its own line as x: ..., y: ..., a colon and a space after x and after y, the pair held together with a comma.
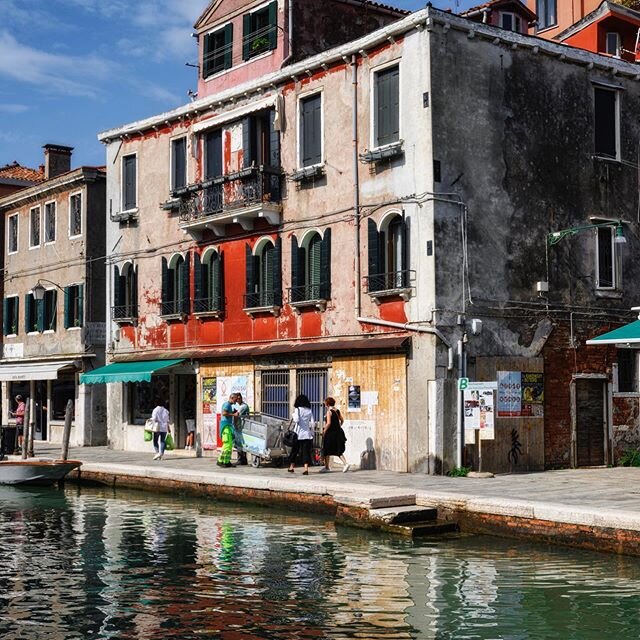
x: 40, y: 315
x: 28, y: 310
x: 16, y: 315
x: 374, y: 255
x: 277, y: 273
x: 54, y: 310
x: 250, y: 272
x: 273, y: 25
x: 325, y: 266
x: 246, y: 36
x: 220, y: 280
x: 5, y: 317
x: 80, y: 322
x: 165, y: 281
x: 228, y: 46
x: 207, y: 54
x: 185, y: 288
x: 67, y: 308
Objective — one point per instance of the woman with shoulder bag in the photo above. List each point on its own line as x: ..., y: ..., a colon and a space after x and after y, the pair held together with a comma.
x: 160, y: 418
x: 333, y: 437
x: 303, y: 427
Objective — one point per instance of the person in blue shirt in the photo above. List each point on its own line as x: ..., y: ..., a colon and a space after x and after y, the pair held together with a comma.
x: 227, y: 432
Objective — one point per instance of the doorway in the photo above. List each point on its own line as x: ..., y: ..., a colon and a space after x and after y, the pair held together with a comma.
x: 186, y: 407
x: 40, y: 404
x: 590, y: 427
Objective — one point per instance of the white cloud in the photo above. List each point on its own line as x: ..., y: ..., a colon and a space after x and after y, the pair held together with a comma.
x: 13, y: 108
x: 52, y: 72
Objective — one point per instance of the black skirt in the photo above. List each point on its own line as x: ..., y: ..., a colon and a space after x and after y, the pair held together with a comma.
x: 333, y: 443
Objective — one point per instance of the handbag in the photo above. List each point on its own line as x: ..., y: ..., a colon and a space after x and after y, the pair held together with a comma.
x: 290, y: 438
x: 150, y: 425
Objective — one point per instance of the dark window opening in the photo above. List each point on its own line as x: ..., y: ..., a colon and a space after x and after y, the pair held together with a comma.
x: 613, y: 44
x: 50, y: 309
x: 628, y: 371
x: 260, y: 31
x: 62, y: 390
x: 13, y: 233
x: 218, y: 51
x: 10, y: 315
x: 388, y: 256
x: 264, y: 281
x: 546, y: 12
x: 125, y: 293
x: 73, y: 306
x: 50, y: 222
x: 129, y: 188
x: 606, y: 258
x: 144, y: 396
x: 34, y: 235
x: 176, y: 299
x: 311, y: 130
x: 178, y: 163
x: 209, y: 283
x: 387, y: 106
x: 75, y: 215
x: 606, y: 122
x: 32, y: 314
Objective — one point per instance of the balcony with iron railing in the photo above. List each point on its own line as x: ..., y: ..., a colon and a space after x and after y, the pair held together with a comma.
x: 263, y: 302
x: 212, y: 306
x: 240, y: 197
x: 392, y: 284
x: 309, y: 295
x: 124, y: 314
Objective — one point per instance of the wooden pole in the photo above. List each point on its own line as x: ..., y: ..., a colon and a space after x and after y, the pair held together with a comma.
x: 66, y: 434
x: 26, y: 427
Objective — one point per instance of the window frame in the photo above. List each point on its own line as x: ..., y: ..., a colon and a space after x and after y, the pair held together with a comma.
x: 31, y: 313
x: 9, y: 221
x: 77, y: 322
x: 618, y: 43
x: 248, y: 55
x: 52, y: 325
x: 217, y: 30
x: 15, y: 313
x: 31, y: 210
x: 614, y: 260
x: 123, y: 183
x: 82, y: 212
x: 48, y: 207
x: 373, y: 133
x: 546, y: 4
x: 172, y: 162
x: 300, y: 124
x: 616, y: 378
x: 617, y: 111
x: 516, y: 21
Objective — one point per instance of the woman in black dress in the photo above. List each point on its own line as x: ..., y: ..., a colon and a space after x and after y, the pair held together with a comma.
x: 333, y: 437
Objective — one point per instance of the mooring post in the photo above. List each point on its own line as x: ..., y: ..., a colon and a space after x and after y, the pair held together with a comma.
x: 66, y: 434
x: 26, y: 428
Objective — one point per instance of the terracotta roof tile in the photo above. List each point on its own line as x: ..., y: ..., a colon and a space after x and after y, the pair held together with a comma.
x: 16, y: 171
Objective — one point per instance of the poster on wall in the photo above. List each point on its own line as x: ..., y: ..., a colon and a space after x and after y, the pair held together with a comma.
x: 355, y: 398
x: 209, y: 417
x: 226, y: 385
x: 520, y: 394
x: 479, y: 411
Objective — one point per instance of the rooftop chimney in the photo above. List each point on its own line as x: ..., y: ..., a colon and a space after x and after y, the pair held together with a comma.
x: 57, y: 160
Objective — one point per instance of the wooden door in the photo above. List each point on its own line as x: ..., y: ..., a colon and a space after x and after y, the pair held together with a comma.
x: 590, y: 423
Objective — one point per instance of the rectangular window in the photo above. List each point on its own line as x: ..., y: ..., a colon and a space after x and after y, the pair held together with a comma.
x: 510, y: 22
x: 605, y: 249
x: 213, y: 154
x: 11, y: 316
x: 628, y: 371
x: 311, y: 130
x: 49, y: 310
x: 387, y: 106
x: 606, y: 122
x: 218, y: 51
x: 178, y: 163
x: 13, y: 233
x: 260, y: 31
x: 50, y: 222
x: 275, y: 394
x: 62, y: 390
x: 75, y: 215
x: 34, y: 227
x: 31, y: 315
x: 144, y: 396
x: 73, y: 306
x: 613, y: 44
x: 546, y: 10
x: 129, y: 183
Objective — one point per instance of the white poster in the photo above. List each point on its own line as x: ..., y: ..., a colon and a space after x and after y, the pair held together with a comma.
x: 479, y: 411
x: 226, y: 385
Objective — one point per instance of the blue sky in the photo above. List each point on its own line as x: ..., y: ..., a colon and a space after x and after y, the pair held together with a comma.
x: 72, y: 68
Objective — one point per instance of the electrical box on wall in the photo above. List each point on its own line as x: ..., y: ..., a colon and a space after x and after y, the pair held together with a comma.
x: 542, y: 287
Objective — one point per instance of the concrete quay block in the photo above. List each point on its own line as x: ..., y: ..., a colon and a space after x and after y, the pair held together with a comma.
x: 501, y: 507
x: 436, y: 499
x: 565, y: 513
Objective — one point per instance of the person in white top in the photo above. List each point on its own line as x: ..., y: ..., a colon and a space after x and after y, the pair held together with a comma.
x: 304, y: 427
x: 160, y: 417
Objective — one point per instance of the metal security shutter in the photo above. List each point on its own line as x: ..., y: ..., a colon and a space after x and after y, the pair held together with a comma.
x: 129, y: 183
x: 387, y: 106
x: 179, y: 154
x: 325, y: 266
x: 311, y: 130
x: 313, y: 383
x: 275, y: 394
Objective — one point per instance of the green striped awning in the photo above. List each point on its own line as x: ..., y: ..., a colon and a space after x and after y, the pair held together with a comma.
x: 629, y: 334
x: 127, y: 371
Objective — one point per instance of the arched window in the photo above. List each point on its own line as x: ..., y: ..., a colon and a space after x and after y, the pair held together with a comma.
x: 208, y: 282
x: 176, y: 297
x: 125, y: 293
x: 388, y: 255
x: 311, y: 268
x: 264, y: 280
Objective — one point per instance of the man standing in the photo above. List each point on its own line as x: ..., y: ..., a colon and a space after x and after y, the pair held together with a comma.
x: 242, y: 409
x: 19, y: 416
x: 227, y: 432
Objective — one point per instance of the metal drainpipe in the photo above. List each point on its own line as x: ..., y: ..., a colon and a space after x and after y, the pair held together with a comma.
x: 356, y: 181
x: 290, y: 35
x: 406, y: 327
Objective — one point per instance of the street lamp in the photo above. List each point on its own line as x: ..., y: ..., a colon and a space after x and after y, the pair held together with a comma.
x: 556, y: 236
x: 38, y: 290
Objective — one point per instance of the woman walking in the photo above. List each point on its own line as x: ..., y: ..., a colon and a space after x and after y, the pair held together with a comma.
x: 160, y: 417
x: 303, y: 427
x: 333, y: 437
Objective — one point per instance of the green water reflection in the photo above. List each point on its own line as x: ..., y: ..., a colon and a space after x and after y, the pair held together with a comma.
x: 94, y: 564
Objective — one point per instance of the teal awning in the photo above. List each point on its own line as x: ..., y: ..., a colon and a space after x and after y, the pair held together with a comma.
x: 127, y: 371
x: 629, y: 334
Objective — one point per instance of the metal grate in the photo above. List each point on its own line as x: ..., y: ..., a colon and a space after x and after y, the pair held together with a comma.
x: 275, y: 394
x: 313, y: 383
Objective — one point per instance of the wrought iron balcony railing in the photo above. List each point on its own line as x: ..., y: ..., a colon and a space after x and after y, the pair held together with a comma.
x: 214, y: 304
x: 124, y: 313
x: 245, y: 188
x: 261, y: 299
x: 172, y: 308
x: 390, y: 281
x: 308, y: 292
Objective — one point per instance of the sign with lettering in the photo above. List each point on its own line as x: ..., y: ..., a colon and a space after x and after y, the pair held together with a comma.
x: 520, y: 394
x: 15, y: 350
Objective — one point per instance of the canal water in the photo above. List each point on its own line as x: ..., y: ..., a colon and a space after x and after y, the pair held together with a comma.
x: 92, y: 563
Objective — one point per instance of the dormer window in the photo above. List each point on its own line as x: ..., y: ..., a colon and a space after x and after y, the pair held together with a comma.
x: 218, y: 51
x: 260, y: 31
x: 510, y: 21
x: 613, y: 44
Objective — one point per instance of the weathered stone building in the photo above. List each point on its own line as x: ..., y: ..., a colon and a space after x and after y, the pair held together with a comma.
x: 54, y: 250
x: 334, y: 225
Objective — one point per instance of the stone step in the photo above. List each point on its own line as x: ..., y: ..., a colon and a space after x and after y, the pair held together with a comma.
x: 404, y: 514
x: 422, y: 529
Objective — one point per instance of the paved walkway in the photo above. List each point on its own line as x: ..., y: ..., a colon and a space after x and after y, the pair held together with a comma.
x: 593, y: 497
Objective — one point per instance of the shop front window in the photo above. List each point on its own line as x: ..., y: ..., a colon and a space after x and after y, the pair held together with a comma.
x: 144, y: 396
x: 62, y: 390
